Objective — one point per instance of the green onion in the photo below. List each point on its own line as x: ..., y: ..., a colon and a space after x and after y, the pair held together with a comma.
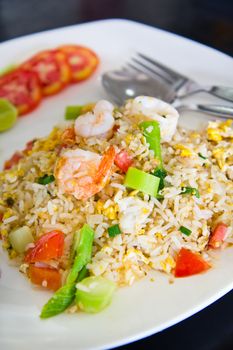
x: 10, y: 202
x: 46, y: 179
x: 64, y: 296
x: 186, y: 231
x: 20, y: 238
x: 114, y: 230
x: 139, y: 180
x: 61, y: 299
x: 83, y: 252
x: 72, y: 112
x: 151, y: 131
x: 201, y: 156
x: 190, y: 190
x: 160, y: 173
x: 94, y: 293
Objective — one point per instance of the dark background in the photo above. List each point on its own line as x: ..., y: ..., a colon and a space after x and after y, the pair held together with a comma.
x: 207, y: 21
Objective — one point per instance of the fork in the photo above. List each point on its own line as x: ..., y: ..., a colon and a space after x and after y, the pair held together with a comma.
x: 132, y: 81
x: 180, y: 84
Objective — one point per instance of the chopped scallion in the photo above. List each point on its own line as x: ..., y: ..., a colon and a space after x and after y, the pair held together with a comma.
x: 151, y: 131
x: 190, y: 190
x: 161, y: 173
x: 186, y: 231
x: 201, y: 156
x: 114, y: 230
x: 46, y: 179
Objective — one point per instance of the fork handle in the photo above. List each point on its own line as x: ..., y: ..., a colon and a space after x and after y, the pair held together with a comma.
x: 223, y: 92
x: 217, y: 110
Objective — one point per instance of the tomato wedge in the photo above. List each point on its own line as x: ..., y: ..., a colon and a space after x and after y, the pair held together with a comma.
x: 45, y: 276
x: 218, y: 235
x: 52, y: 69
x: 123, y: 161
x: 189, y: 263
x: 82, y: 61
x: 13, y: 160
x: 49, y: 246
x: 22, y: 89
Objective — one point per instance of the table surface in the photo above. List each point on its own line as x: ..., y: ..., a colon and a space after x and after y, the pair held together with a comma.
x: 209, y: 22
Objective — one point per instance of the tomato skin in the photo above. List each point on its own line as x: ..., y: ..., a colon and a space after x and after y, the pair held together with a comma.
x: 22, y: 88
x: 47, y: 277
x: 15, y: 158
x: 123, y: 161
x: 189, y: 263
x: 218, y: 235
x: 49, y: 246
x: 82, y: 61
x: 52, y: 69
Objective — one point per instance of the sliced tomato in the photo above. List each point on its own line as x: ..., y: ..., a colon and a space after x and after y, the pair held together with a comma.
x: 13, y: 160
x: 52, y: 69
x: 218, y: 236
x: 189, y: 263
x: 22, y: 89
x: 49, y: 246
x: 45, y: 276
x: 123, y: 160
x: 82, y: 61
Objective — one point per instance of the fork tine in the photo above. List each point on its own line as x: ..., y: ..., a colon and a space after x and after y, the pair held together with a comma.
x: 173, y: 75
x: 151, y: 70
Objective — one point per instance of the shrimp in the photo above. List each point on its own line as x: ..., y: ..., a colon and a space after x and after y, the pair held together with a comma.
x: 158, y: 110
x: 83, y: 173
x: 98, y: 122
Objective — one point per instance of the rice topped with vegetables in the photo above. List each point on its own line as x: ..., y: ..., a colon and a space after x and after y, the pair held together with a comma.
x: 114, y: 194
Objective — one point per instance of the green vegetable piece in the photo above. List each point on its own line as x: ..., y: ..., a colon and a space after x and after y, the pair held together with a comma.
x: 20, y: 238
x: 190, y: 190
x: 201, y: 156
x: 186, y: 231
x: 8, y: 69
x: 139, y: 180
x: 83, y: 252
x: 72, y: 112
x: 10, y: 202
x: 61, y: 299
x: 161, y: 173
x: 151, y: 131
x: 114, y: 230
x: 94, y: 293
x: 46, y: 179
x: 8, y: 115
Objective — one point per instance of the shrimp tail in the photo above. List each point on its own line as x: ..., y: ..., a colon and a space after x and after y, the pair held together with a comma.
x: 105, y: 165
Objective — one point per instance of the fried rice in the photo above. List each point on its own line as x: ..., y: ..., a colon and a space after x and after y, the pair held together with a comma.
x: 198, y: 159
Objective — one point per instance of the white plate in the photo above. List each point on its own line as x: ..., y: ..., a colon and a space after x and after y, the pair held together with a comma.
x: 147, y: 307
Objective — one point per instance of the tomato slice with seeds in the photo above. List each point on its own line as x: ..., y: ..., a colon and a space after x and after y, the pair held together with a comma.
x: 189, y: 263
x: 22, y: 89
x: 82, y: 61
x: 46, y: 277
x: 52, y: 69
x: 49, y: 246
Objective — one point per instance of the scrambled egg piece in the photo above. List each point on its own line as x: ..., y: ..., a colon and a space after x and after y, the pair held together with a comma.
x: 185, y: 151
